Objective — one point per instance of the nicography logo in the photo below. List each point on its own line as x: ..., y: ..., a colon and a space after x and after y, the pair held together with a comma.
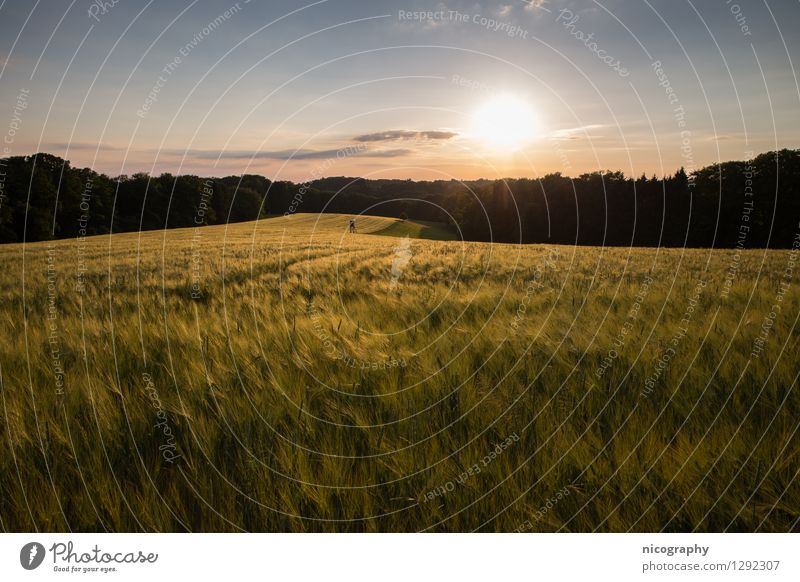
x: 31, y: 555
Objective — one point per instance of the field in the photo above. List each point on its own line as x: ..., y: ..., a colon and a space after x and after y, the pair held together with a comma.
x: 417, y: 229
x: 287, y: 376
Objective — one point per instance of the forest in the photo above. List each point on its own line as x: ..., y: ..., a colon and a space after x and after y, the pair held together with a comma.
x: 744, y: 204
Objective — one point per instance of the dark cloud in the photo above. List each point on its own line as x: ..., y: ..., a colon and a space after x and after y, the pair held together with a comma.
x: 81, y: 146
x: 341, y: 153
x: 350, y: 151
x: 401, y: 134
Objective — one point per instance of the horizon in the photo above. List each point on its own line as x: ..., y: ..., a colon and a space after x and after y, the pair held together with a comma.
x: 413, y: 90
x: 604, y: 172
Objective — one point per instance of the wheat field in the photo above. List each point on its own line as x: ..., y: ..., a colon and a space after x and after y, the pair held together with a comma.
x: 286, y: 375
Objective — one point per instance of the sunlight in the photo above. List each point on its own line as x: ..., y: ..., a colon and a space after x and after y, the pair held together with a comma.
x: 505, y: 123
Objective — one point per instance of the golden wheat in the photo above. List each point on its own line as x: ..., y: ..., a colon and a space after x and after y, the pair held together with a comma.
x: 287, y: 376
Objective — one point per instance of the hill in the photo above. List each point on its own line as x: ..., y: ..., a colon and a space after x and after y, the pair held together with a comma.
x: 738, y: 204
x: 288, y: 376
x: 419, y: 229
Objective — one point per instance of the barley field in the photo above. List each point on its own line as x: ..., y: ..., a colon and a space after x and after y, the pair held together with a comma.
x: 286, y: 375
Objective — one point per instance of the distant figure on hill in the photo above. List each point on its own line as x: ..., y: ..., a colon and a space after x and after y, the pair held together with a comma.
x: 352, y: 225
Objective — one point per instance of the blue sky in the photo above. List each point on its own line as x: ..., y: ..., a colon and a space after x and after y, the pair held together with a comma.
x: 273, y: 78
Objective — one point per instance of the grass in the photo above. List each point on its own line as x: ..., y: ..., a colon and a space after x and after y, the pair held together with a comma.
x: 288, y: 376
x: 418, y: 229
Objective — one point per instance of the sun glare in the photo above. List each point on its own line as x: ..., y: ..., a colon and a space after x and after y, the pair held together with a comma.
x: 505, y: 123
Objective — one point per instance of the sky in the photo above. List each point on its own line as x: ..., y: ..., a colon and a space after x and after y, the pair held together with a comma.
x: 398, y: 89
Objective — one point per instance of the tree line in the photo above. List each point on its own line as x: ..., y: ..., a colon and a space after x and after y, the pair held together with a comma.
x: 747, y: 204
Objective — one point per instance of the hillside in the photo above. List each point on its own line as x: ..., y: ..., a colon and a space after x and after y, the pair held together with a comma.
x: 736, y: 204
x: 419, y: 229
x: 285, y: 375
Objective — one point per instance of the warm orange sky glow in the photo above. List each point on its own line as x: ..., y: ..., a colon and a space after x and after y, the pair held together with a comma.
x: 493, y: 89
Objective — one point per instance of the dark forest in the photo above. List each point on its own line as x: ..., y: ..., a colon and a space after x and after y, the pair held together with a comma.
x: 746, y: 204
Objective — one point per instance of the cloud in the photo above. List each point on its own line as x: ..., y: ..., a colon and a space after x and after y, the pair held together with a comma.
x: 81, y: 146
x: 535, y: 5
x: 299, y: 155
x: 404, y: 134
x: 505, y: 9
x: 725, y: 137
x: 360, y: 150
x: 390, y: 153
x: 577, y: 132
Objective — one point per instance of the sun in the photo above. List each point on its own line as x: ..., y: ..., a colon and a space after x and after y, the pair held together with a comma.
x: 506, y: 123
